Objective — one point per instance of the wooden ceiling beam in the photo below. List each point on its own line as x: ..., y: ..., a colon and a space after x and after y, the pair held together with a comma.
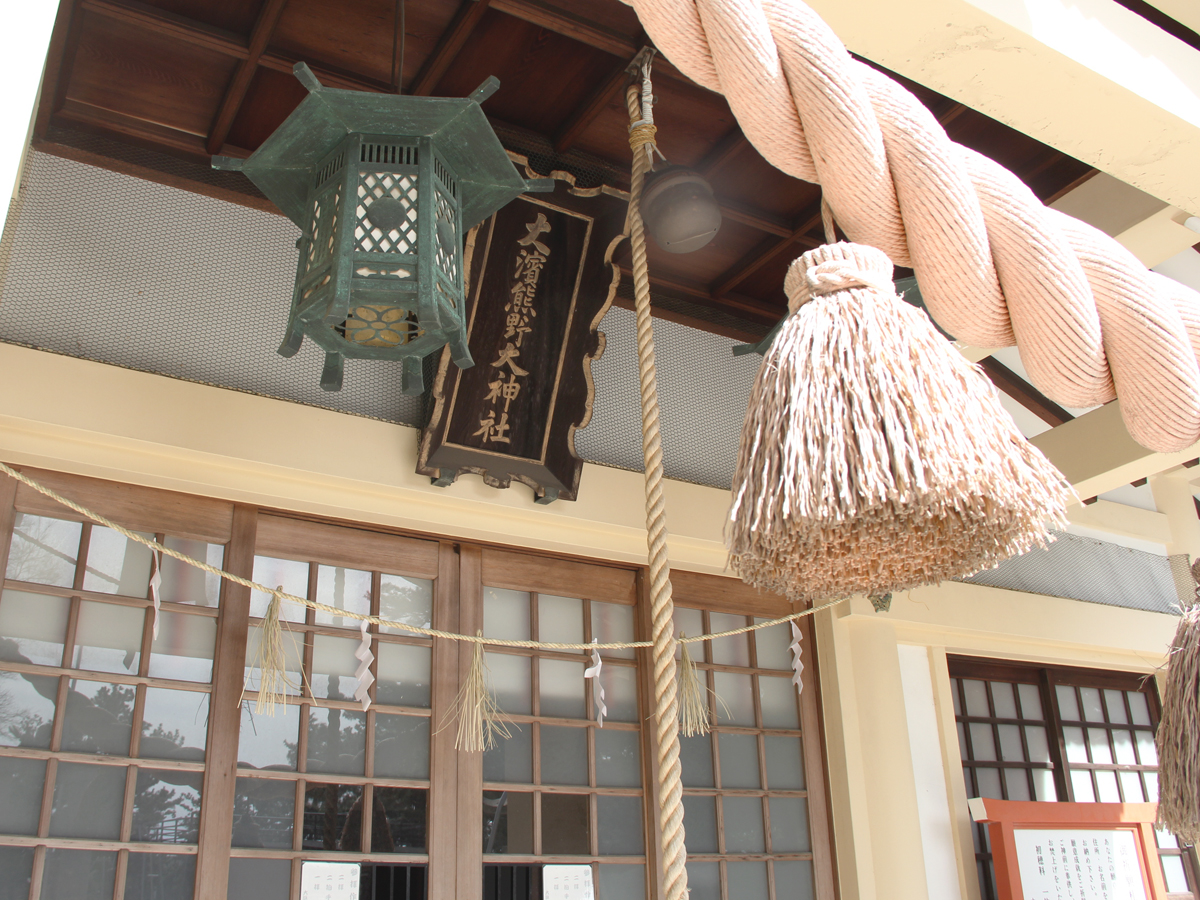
x: 466, y: 18
x: 747, y: 267
x: 578, y: 122
x: 737, y: 304
x: 60, y: 59
x: 723, y: 153
x: 138, y: 130
x: 1012, y: 384
x: 235, y: 93
x: 154, y: 20
x: 755, y: 218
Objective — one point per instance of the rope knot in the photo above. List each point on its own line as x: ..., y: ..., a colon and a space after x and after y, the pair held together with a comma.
x: 836, y: 267
x: 641, y: 134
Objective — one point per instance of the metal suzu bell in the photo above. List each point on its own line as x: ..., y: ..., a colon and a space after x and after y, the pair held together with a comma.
x: 383, y: 188
x: 679, y: 210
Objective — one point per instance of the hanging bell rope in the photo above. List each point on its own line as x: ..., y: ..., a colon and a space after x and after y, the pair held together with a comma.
x: 995, y: 266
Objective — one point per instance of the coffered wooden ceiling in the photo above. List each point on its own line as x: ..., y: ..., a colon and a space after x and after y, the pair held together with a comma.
x: 154, y: 89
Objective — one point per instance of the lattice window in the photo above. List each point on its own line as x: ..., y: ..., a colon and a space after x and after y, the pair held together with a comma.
x: 402, y: 189
x: 445, y: 236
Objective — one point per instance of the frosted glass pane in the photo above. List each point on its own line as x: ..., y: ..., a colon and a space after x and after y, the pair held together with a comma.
x: 962, y: 741
x: 1081, y: 786
x: 263, y: 811
x: 565, y: 824
x: 983, y: 744
x: 98, y: 717
x: 87, y: 801
x: 1068, y: 706
x: 1151, y: 781
x: 1131, y: 787
x: 506, y: 614
x: 778, y: 699
x: 695, y: 755
x: 348, y: 589
x: 1106, y: 784
x: 619, y: 823
x: 509, y: 677
x: 1003, y: 700
x: 401, y: 746
x: 260, y: 879
x: 976, y: 694
x: 293, y: 643
x: 736, y: 698
x: 789, y: 825
x: 700, y: 824
x: 620, y: 692
x: 1092, y: 709
x: 184, y: 647
x: 739, y: 760
x: 1114, y: 702
x: 689, y: 622
x: 1073, y: 738
x: 35, y: 627
x: 182, y: 583
x: 1173, y: 873
x: 166, y: 806
x: 1164, y: 838
x: 21, y: 783
x: 174, y: 724
x: 508, y: 822
x: 729, y: 651
x: 622, y: 882
x: 117, y: 565
x: 289, y: 574
x: 512, y: 758
x: 17, y: 865
x: 561, y: 688
x: 336, y: 741
x: 793, y: 879
x: 1035, y: 739
x: 743, y: 823
x: 154, y: 875
x: 612, y: 623
x: 1123, y: 744
x: 1017, y: 783
x: 268, y: 742
x: 785, y: 766
x: 26, y: 709
x: 954, y: 691
x: 79, y: 874
x: 1043, y: 785
x: 772, y: 646
x: 704, y: 880
x: 109, y: 638
x: 43, y: 551
x: 1147, y: 752
x: 333, y: 665
x: 1031, y: 701
x: 618, y: 760
x: 1098, y: 743
x: 560, y: 619
x: 747, y: 880
x: 988, y: 783
x: 1139, y: 707
x: 407, y: 600
x: 403, y: 678
x: 564, y: 755
x: 405, y: 813
x: 1010, y: 743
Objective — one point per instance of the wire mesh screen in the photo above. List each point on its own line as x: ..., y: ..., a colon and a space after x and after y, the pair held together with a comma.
x: 1083, y: 568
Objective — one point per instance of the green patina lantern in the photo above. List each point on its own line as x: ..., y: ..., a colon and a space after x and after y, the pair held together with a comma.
x: 383, y: 188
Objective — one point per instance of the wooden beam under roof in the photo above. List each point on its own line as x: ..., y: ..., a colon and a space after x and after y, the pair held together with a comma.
x: 466, y: 18
x: 587, y: 112
x: 723, y: 152
x: 235, y: 93
x: 157, y: 21
x: 735, y: 275
x: 1012, y: 384
x: 746, y: 306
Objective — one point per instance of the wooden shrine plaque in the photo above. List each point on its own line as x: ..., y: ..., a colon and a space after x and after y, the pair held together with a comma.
x: 539, y: 280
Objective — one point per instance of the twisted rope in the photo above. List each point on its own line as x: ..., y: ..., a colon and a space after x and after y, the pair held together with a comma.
x: 666, y: 710
x: 996, y: 267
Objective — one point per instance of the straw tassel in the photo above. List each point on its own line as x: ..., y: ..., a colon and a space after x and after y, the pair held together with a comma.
x: 1178, y: 738
x: 693, y: 698
x: 874, y: 457
x: 480, y: 720
x: 271, y: 662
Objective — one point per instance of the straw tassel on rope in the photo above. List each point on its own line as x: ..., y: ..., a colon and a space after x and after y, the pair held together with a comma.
x: 480, y: 721
x: 271, y: 661
x: 874, y: 457
x: 693, y: 697
x: 1178, y: 737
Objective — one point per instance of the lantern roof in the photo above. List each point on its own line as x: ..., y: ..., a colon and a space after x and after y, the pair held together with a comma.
x: 282, y: 167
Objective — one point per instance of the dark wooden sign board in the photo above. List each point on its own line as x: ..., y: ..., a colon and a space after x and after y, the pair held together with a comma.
x: 540, y: 277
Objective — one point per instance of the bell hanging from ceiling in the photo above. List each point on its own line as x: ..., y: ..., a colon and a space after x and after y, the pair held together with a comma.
x: 382, y: 187
x: 679, y: 209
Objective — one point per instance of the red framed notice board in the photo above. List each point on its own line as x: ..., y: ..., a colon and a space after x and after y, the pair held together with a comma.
x: 1072, y: 851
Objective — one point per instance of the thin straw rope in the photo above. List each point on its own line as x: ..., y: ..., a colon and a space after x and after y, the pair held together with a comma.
x: 379, y: 620
x: 666, y: 711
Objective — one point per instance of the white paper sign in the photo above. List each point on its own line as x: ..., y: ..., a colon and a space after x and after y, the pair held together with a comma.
x: 567, y: 883
x: 329, y: 880
x: 1079, y: 864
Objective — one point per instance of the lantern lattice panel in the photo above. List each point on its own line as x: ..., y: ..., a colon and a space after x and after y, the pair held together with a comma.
x: 375, y: 186
x: 446, y: 259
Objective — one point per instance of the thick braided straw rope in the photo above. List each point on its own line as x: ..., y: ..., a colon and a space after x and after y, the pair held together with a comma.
x: 996, y: 267
x: 874, y: 457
